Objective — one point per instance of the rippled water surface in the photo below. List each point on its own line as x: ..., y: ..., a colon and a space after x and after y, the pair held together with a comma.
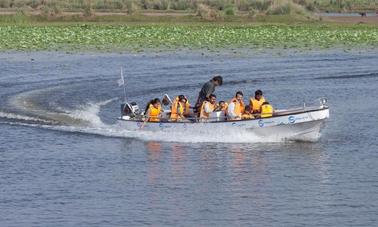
x: 64, y: 160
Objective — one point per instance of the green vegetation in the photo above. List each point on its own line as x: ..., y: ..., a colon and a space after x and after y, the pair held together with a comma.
x: 191, y: 5
x: 139, y: 37
x: 58, y: 25
x: 209, y: 10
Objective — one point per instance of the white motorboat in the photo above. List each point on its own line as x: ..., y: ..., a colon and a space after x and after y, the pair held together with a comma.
x: 303, y: 123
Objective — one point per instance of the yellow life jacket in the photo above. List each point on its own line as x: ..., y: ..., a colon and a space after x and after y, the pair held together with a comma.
x: 154, y: 113
x: 256, y: 104
x: 239, y: 106
x: 266, y: 110
x: 178, y: 109
x: 203, y: 113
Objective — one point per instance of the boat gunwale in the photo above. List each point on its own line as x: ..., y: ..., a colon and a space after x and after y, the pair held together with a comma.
x: 321, y: 108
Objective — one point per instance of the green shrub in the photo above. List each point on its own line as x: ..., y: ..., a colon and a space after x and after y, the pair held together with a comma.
x: 20, y: 17
x: 182, y: 5
x: 229, y: 11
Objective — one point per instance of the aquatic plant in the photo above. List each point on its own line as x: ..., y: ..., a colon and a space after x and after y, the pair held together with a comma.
x: 114, y: 37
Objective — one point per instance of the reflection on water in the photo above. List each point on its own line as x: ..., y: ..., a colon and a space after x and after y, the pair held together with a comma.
x: 154, y: 154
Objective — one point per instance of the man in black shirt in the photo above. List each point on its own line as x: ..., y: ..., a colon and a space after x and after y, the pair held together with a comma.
x: 207, y: 89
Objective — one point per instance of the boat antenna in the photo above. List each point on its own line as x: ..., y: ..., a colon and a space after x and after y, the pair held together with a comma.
x: 121, y: 82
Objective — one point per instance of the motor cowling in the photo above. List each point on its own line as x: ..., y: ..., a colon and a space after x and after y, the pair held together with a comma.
x: 130, y: 109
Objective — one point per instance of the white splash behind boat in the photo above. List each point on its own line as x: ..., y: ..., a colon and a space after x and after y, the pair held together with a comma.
x: 302, y: 124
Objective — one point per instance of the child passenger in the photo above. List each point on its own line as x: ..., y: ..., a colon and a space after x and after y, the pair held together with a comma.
x: 247, y: 113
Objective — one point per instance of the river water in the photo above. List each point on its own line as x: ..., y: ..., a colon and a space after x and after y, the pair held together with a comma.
x: 64, y: 160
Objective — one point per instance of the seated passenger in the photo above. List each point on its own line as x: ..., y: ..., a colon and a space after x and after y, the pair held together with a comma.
x: 222, y: 106
x: 208, y: 107
x: 236, y: 107
x: 153, y: 111
x: 257, y: 101
x: 266, y: 110
x: 180, y: 108
x: 247, y: 113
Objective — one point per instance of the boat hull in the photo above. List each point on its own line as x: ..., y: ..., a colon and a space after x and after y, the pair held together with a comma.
x: 304, y: 125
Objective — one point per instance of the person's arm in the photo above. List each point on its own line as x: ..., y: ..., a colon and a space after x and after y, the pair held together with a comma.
x: 251, y: 104
x: 230, y: 110
x: 147, y: 115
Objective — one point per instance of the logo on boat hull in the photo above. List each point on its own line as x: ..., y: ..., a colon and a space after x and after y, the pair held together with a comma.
x: 261, y: 123
x: 291, y: 119
x: 162, y: 125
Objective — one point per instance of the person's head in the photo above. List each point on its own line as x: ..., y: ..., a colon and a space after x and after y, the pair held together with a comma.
x: 217, y: 80
x: 156, y: 102
x: 265, y: 103
x: 239, y: 96
x: 248, y: 109
x: 212, y: 99
x: 222, y: 104
x: 258, y: 94
x: 165, y: 101
x: 182, y: 99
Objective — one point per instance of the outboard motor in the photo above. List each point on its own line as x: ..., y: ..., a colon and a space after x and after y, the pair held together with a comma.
x: 130, y: 110
x: 323, y: 102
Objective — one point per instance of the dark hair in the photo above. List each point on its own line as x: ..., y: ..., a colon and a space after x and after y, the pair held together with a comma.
x: 258, y: 92
x: 265, y: 103
x: 151, y: 102
x: 212, y: 96
x: 219, y: 79
x: 247, y: 108
x: 239, y: 93
x: 182, y: 97
x: 221, y: 102
x: 154, y: 101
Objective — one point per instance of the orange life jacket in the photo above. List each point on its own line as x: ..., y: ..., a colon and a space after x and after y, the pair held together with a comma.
x: 256, y: 104
x: 154, y: 115
x: 239, y: 106
x: 178, y: 109
x: 203, y: 113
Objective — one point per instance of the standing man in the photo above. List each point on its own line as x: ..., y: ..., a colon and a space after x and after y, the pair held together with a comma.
x: 207, y: 89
